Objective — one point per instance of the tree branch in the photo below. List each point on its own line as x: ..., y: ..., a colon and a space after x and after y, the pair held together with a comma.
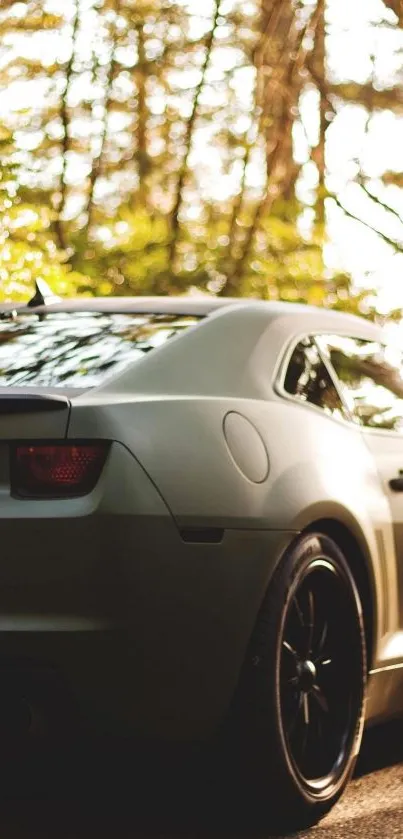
x: 239, y: 200
x: 379, y: 201
x: 398, y: 246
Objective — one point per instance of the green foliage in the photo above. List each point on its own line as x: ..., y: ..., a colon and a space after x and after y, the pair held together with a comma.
x: 107, y: 178
x: 27, y: 248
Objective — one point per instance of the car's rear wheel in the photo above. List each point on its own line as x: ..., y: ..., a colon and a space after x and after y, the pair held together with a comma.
x: 298, y: 712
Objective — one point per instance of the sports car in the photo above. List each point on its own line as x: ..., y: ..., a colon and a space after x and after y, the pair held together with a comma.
x: 201, y: 519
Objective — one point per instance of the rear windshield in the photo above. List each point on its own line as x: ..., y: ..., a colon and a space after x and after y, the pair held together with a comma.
x: 79, y: 349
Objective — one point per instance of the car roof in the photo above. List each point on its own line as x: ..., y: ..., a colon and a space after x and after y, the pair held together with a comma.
x: 235, y: 350
x: 177, y: 305
x: 187, y: 305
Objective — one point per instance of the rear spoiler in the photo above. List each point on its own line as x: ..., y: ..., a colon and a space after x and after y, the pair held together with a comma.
x: 43, y: 297
x: 30, y: 403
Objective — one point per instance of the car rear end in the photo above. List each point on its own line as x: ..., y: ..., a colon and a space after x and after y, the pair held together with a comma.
x: 140, y: 623
x: 64, y: 508
x: 60, y: 526
x: 143, y: 622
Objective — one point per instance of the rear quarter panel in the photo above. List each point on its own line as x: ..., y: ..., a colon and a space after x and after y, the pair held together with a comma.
x: 170, y: 411
x: 318, y: 468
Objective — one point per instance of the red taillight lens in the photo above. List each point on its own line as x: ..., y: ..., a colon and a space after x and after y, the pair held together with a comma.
x: 56, y: 470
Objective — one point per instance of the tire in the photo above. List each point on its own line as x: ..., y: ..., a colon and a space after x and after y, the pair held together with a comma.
x: 297, y: 719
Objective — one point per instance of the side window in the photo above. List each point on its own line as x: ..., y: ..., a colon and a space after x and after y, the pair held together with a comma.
x: 308, y: 379
x: 371, y: 377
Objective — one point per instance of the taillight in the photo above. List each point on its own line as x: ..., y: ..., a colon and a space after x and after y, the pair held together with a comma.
x: 56, y: 470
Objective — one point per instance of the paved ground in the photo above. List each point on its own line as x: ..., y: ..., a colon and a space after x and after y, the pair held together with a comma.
x: 372, y: 807
x: 89, y: 800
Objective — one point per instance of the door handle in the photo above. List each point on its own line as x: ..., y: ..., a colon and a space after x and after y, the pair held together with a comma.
x: 396, y: 484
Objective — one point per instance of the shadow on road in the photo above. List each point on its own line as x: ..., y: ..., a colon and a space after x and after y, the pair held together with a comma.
x: 106, y: 792
x: 382, y: 746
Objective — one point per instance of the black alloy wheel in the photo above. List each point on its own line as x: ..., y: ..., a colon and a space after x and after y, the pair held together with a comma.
x: 298, y: 713
x: 319, y: 699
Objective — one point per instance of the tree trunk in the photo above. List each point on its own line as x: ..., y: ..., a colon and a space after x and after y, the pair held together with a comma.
x: 61, y: 234
x: 142, y: 112
x: 319, y: 62
x: 397, y: 8
x: 178, y: 201
x: 97, y: 163
x: 279, y: 59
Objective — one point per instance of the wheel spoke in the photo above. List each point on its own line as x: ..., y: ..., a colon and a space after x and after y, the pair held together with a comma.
x: 305, y: 704
x: 319, y: 720
x: 311, y: 622
x: 323, y: 662
x: 289, y: 649
x: 320, y: 698
x: 298, y: 611
x: 293, y: 723
x: 304, y: 740
x: 298, y: 730
x: 322, y: 642
x: 305, y: 729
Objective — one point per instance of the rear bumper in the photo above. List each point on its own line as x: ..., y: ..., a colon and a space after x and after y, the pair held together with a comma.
x: 145, y: 629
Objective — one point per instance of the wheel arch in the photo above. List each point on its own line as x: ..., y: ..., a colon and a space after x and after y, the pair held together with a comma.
x: 358, y: 560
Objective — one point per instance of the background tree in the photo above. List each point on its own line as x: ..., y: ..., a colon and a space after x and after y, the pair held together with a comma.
x: 155, y: 146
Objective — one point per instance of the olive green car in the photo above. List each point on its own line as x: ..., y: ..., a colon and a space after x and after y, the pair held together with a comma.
x: 202, y: 526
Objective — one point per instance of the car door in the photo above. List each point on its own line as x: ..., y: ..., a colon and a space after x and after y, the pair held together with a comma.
x: 371, y: 381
